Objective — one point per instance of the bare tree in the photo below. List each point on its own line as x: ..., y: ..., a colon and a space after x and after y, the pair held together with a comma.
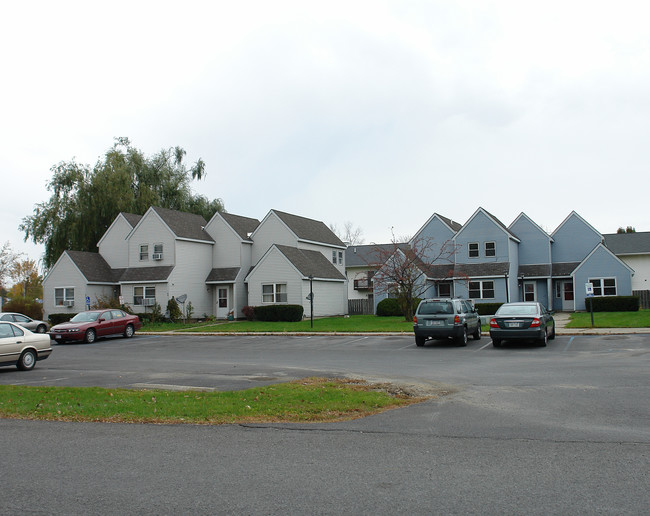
x: 350, y: 235
x: 405, y: 268
x: 8, y: 259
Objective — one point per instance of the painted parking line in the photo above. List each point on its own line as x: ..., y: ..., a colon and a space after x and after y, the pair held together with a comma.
x: 568, y: 343
x: 483, y: 347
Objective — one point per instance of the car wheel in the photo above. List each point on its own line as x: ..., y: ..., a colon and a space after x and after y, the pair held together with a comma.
x: 462, y: 339
x: 27, y: 360
x: 41, y: 328
x: 552, y: 335
x: 91, y: 336
x: 128, y: 331
x: 544, y: 339
x: 477, y: 334
x: 496, y: 343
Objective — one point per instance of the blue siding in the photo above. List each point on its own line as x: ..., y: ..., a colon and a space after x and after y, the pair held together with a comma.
x: 482, y: 229
x: 438, y: 234
x: 601, y: 264
x: 535, y: 247
x: 574, y: 240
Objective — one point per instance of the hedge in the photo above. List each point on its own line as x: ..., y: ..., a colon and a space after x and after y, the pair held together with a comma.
x: 487, y: 308
x: 288, y: 313
x: 614, y: 304
x: 390, y: 307
x: 60, y: 318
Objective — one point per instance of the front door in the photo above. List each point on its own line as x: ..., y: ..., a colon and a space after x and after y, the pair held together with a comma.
x: 567, y: 296
x: 223, y: 303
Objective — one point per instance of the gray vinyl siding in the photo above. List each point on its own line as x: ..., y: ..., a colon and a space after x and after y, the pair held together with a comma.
x: 162, y: 296
x: 271, y: 231
x: 150, y: 231
x: 113, y: 246
x: 573, y: 240
x: 227, y: 247
x: 64, y: 274
x: 326, y: 251
x: 194, y: 262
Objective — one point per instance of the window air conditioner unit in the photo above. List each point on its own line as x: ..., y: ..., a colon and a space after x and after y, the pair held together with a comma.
x: 157, y: 256
x: 149, y: 302
x: 68, y: 303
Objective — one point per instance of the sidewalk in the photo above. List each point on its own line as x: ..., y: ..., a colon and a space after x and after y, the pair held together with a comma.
x: 562, y: 318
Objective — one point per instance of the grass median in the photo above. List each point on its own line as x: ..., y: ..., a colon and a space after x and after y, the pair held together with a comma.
x: 640, y: 319
x: 308, y: 400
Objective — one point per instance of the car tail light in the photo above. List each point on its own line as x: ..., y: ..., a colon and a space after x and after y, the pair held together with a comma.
x: 493, y: 323
x: 457, y: 319
x: 415, y: 319
x: 536, y: 322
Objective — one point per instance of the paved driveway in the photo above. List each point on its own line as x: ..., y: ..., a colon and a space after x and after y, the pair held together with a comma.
x: 556, y: 430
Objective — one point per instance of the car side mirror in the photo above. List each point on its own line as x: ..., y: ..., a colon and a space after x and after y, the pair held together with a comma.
x: 101, y: 319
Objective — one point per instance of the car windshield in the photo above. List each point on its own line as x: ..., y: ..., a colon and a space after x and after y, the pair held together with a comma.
x: 436, y: 307
x: 85, y: 317
x: 517, y: 310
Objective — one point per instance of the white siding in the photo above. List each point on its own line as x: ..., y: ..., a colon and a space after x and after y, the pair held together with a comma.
x: 113, y: 246
x: 64, y: 274
x: 162, y: 296
x: 641, y: 266
x: 194, y: 262
x: 150, y: 231
x: 357, y: 273
x: 329, y: 298
x: 227, y: 247
x: 271, y: 231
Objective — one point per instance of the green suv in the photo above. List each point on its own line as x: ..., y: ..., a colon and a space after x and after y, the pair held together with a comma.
x: 446, y: 318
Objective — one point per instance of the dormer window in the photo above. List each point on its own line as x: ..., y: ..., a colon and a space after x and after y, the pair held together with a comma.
x: 490, y: 248
x: 472, y: 250
x: 144, y: 252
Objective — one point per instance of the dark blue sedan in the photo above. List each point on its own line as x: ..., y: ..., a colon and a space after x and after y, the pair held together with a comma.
x: 522, y: 321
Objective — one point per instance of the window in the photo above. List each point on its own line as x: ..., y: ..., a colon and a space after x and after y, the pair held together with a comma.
x: 340, y: 257
x: 530, y: 293
x: 144, y: 252
x: 558, y: 290
x: 490, y: 248
x: 157, y: 252
x: 444, y: 289
x: 334, y: 257
x: 64, y: 296
x: 274, y: 293
x: 222, y: 298
x: 473, y: 249
x: 604, y: 286
x: 481, y: 289
x: 144, y: 296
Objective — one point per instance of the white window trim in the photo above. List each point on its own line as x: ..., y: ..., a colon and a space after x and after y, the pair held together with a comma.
x: 275, y: 293
x: 146, y: 258
x: 534, y: 284
x: 65, y: 297
x: 469, y: 249
x: 482, y: 289
x: 144, y: 294
x: 485, y: 250
x: 601, y: 286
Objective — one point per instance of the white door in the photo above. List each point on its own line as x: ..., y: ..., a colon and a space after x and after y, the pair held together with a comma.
x: 567, y: 297
x: 223, y: 303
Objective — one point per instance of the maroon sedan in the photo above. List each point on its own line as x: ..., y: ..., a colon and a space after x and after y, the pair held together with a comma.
x: 88, y: 326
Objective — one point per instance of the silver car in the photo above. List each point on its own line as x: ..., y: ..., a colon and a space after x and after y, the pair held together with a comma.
x: 26, y: 322
x: 21, y: 347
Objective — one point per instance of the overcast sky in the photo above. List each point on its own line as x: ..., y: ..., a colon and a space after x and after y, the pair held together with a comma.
x: 379, y: 113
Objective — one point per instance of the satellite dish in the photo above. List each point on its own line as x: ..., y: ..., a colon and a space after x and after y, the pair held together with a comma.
x: 182, y: 299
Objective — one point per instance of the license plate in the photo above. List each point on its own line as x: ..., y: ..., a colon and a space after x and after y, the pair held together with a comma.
x: 435, y: 323
x: 513, y: 325
x: 57, y: 336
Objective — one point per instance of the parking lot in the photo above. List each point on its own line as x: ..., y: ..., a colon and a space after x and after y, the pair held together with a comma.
x: 524, y: 429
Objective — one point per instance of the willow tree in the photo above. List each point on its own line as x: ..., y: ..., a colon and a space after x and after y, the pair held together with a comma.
x: 85, y: 201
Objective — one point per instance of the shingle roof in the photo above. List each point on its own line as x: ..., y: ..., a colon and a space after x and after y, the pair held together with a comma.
x: 535, y: 271
x: 371, y: 255
x: 471, y: 270
x: 135, y: 274
x: 184, y: 225
x: 628, y: 243
x: 243, y: 226
x: 311, y: 263
x: 309, y: 229
x: 455, y: 226
x: 501, y: 224
x: 131, y: 218
x: 223, y: 274
x: 564, y: 269
x: 94, y: 268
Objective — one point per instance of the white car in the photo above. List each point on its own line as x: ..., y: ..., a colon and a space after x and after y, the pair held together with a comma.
x: 21, y: 347
x: 26, y: 322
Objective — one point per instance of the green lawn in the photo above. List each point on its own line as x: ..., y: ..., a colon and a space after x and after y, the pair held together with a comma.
x: 353, y: 323
x: 306, y: 400
x: 640, y: 319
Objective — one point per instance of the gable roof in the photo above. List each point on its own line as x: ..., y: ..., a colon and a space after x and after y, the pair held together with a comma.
x: 223, y: 275
x: 609, y: 252
x: 496, y: 221
x: 574, y: 214
x: 522, y: 215
x: 309, y: 230
x: 453, y: 226
x: 628, y: 243
x: 131, y: 218
x: 146, y: 274
x: 183, y: 225
x: 310, y: 263
x: 93, y: 267
x: 243, y: 226
x: 369, y: 255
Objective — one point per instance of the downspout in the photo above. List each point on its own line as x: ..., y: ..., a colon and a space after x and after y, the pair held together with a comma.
x: 507, y: 289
